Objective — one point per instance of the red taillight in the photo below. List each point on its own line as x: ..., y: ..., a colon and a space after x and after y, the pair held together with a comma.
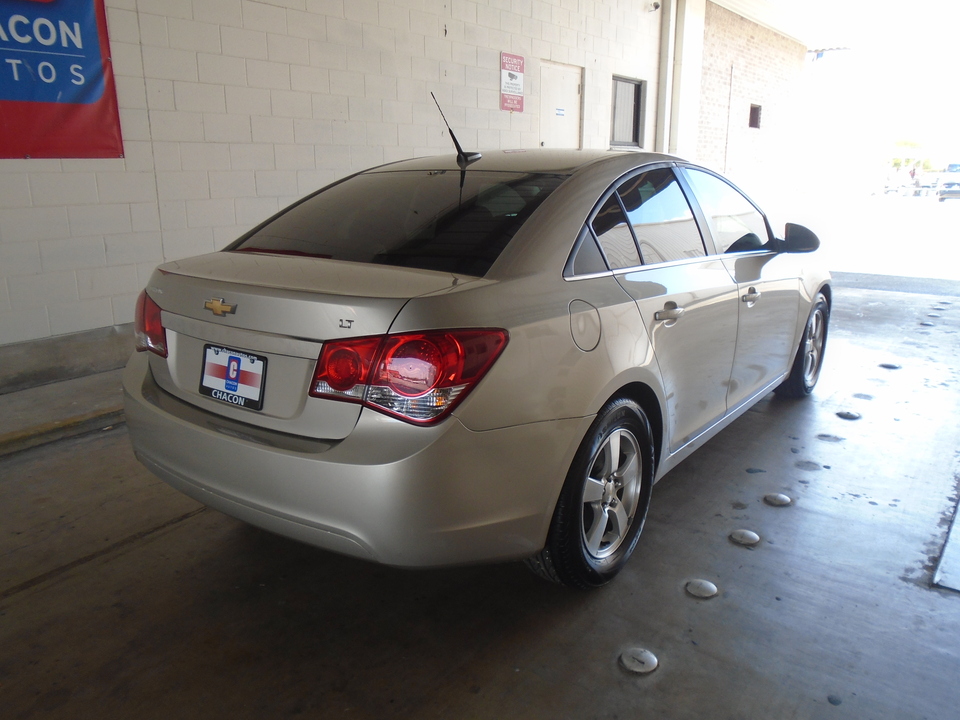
x: 411, y: 366
x: 418, y: 377
x: 149, y: 331
x: 343, y: 368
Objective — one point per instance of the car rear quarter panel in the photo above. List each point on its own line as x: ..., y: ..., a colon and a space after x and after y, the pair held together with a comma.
x: 543, y: 374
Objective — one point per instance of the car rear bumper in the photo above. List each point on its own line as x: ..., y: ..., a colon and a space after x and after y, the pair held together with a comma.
x: 390, y: 492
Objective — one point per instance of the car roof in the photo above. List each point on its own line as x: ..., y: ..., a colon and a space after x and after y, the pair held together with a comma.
x: 561, y: 161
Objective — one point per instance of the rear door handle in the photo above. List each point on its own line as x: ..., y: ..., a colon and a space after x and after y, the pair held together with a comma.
x: 751, y: 296
x: 670, y: 312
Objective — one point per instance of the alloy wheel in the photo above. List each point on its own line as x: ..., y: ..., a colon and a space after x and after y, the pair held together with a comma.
x: 611, y: 493
x: 813, y: 347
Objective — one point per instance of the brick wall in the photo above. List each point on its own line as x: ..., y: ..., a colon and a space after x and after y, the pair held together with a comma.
x: 231, y: 109
x: 745, y: 64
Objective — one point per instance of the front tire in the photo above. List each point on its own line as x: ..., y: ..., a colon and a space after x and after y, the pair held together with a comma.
x: 809, y: 360
x: 602, y: 507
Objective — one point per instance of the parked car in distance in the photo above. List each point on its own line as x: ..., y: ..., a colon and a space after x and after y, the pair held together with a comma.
x: 949, y: 183
x: 454, y: 360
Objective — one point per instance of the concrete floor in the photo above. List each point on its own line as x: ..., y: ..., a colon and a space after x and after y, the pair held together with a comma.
x: 119, y: 598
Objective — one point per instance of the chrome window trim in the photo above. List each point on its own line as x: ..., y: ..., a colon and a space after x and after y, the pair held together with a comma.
x: 668, y: 264
x: 591, y: 276
x: 745, y: 253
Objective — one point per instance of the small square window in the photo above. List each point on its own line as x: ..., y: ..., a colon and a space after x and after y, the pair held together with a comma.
x: 755, y: 116
x: 629, y: 98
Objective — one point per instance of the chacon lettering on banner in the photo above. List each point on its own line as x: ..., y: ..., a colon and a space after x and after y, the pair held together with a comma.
x: 57, y: 93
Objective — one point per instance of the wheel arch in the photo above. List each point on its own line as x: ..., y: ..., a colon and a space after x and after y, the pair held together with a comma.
x: 827, y: 293
x: 649, y: 402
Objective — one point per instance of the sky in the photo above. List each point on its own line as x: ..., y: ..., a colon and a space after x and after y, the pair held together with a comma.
x: 896, y: 78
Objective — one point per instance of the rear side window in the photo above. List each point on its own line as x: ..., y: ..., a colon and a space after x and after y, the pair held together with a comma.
x: 613, y: 233
x: 417, y: 219
x: 587, y: 259
x: 736, y: 225
x: 660, y: 217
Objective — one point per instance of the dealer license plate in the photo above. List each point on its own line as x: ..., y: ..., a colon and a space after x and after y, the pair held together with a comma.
x: 233, y: 377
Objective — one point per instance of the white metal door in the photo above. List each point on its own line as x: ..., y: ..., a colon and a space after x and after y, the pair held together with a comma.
x: 560, y: 105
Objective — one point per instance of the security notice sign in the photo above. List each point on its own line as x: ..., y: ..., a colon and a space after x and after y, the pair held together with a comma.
x: 57, y: 93
x: 511, y: 82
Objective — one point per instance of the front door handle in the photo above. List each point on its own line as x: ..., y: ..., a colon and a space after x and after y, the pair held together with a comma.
x: 751, y: 296
x: 671, y: 311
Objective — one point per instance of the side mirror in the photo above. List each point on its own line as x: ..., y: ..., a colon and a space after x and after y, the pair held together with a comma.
x: 798, y: 239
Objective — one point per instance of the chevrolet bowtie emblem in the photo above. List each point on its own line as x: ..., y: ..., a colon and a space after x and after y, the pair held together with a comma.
x: 218, y: 307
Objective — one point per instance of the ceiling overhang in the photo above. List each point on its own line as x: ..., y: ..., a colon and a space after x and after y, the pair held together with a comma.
x: 814, y: 23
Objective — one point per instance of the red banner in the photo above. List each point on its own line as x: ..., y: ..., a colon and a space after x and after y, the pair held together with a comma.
x: 58, y: 98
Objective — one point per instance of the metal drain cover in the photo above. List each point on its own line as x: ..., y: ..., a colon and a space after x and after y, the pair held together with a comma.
x: 639, y: 660
x: 745, y: 537
x: 701, y: 589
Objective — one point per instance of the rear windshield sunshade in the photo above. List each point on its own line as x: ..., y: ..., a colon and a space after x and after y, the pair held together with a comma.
x: 415, y: 219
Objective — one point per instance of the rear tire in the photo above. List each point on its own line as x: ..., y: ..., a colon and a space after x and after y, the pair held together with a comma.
x: 603, y: 504
x: 809, y: 360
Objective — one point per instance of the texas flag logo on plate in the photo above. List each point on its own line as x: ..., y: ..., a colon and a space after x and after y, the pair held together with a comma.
x: 233, y: 377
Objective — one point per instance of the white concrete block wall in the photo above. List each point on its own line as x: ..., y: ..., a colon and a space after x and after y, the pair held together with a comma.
x: 232, y: 109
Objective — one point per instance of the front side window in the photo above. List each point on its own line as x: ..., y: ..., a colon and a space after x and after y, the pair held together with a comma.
x: 661, y: 218
x: 736, y: 225
x: 417, y: 219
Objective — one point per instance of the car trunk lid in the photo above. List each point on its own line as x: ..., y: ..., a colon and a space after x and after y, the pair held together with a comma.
x: 272, y: 314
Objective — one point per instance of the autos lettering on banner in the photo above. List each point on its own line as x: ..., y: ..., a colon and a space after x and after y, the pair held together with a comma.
x: 57, y: 92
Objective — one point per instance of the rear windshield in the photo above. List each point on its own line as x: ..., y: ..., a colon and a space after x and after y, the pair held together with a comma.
x: 416, y: 219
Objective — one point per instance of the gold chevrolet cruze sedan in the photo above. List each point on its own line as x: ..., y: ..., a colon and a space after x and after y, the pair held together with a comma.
x: 462, y: 359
